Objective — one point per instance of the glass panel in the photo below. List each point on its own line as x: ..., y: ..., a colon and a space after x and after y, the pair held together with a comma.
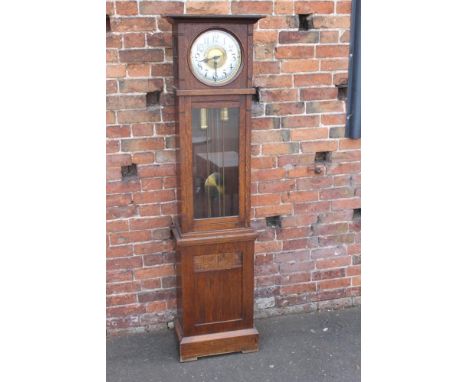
x: 215, y: 147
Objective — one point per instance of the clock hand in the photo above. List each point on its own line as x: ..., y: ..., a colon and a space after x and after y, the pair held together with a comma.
x: 208, y: 59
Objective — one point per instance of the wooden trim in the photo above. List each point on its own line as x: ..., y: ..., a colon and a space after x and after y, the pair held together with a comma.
x: 208, y: 92
x: 210, y: 18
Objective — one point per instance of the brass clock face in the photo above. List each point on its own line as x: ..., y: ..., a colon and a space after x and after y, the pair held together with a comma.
x: 215, y: 58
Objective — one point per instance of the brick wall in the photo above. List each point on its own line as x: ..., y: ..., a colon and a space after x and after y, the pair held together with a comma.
x: 303, y: 169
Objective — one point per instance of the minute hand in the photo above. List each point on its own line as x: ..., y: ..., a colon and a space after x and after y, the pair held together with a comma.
x: 208, y: 59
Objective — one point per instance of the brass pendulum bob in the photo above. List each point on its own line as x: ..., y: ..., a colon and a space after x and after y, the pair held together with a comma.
x: 224, y: 114
x: 203, y: 119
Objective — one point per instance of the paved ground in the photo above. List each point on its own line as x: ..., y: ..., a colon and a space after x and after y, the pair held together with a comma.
x: 316, y: 347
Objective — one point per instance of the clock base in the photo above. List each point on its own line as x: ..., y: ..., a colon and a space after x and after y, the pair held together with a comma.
x: 190, y: 348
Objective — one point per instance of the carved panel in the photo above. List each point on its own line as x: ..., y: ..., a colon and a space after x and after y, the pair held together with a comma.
x: 217, y: 261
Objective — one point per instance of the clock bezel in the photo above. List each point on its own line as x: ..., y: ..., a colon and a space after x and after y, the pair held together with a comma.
x: 239, y: 69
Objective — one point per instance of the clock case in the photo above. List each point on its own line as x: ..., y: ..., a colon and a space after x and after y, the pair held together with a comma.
x: 214, y: 256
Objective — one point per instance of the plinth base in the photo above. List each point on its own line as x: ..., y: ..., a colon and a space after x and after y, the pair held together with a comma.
x: 190, y: 348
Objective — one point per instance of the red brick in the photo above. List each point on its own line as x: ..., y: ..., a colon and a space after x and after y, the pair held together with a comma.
x: 308, y: 134
x: 161, y: 7
x: 252, y: 7
x: 278, y: 22
x: 124, y: 263
x: 334, y: 64
x: 334, y: 119
x: 308, y: 147
x: 331, y: 22
x: 299, y: 196
x: 285, y: 108
x: 134, y: 40
x: 276, y: 186
x: 299, y: 65
x: 343, y: 7
x: 265, y: 200
x: 126, y: 287
x: 208, y: 7
x: 325, y: 106
x: 298, y: 288
x: 154, y: 196
x: 334, y: 284
x: 307, y: 7
x: 284, y: 81
x: 265, y: 123
x: 133, y: 24
x: 279, y: 95
x: 265, y: 37
x: 155, y: 272
x: 300, y: 121
x: 161, y: 70
x: 120, y: 251
x: 298, y: 37
x: 117, y: 226
x: 280, y: 148
x: 296, y: 52
x: 284, y: 7
x: 346, y: 204
x: 268, y: 174
x: 126, y: 8
x: 263, y: 162
x: 129, y: 237
x: 115, y: 71
x: 265, y: 136
x: 159, y: 40
x: 141, y: 55
x: 119, y: 131
x: 333, y: 262
x: 124, y: 299
x: 349, y: 144
x: 265, y: 67
x: 328, y: 37
x: 313, y: 94
x: 156, y: 306
x: 142, y: 144
x: 122, y: 102
x: 140, y: 86
x: 344, y: 168
x: 312, y: 79
x: 328, y: 51
x: 336, y: 193
x: 282, y: 209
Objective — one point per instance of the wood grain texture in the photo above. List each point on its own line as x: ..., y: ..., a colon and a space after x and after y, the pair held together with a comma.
x: 215, y: 256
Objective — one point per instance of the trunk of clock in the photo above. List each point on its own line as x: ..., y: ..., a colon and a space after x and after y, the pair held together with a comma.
x: 215, y: 293
x: 214, y: 243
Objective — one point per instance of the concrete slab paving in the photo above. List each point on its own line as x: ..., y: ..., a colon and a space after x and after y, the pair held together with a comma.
x: 318, y: 347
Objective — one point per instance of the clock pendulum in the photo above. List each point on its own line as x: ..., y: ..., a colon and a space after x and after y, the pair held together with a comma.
x: 213, y: 69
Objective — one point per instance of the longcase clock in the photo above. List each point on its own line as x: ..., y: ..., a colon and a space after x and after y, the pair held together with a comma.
x: 214, y: 242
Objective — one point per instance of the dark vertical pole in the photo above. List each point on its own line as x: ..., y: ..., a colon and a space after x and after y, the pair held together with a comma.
x: 353, y: 102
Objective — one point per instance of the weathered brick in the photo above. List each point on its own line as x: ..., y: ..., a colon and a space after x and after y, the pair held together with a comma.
x: 298, y: 37
x: 161, y: 7
x: 299, y: 52
x: 141, y: 55
x: 207, y: 7
x: 133, y: 24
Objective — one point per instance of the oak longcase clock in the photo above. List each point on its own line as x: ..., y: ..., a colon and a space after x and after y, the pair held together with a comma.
x: 214, y: 242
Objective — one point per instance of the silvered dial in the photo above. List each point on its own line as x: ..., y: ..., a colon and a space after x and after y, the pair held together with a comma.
x: 215, y: 57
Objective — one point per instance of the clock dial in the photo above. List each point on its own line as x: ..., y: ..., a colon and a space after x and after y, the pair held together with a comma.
x: 215, y: 57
